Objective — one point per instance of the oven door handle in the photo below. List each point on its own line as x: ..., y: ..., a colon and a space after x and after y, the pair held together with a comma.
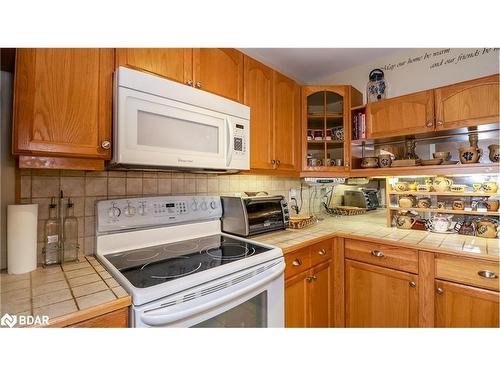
x: 230, y: 142
x: 164, y: 319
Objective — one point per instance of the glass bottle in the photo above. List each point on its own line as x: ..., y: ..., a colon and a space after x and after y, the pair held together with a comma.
x: 70, y: 238
x: 52, y: 247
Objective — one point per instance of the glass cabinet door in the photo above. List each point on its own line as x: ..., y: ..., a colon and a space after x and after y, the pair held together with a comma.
x: 325, y: 130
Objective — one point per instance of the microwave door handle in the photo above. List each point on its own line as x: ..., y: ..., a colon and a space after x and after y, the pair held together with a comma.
x: 164, y: 319
x: 230, y: 143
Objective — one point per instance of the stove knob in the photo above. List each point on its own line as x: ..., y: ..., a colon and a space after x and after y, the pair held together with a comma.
x: 204, y: 206
x: 142, y: 209
x: 114, y: 212
x: 129, y: 210
x: 213, y: 205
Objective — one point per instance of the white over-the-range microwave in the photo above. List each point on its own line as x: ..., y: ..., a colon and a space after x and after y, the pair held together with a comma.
x: 162, y: 124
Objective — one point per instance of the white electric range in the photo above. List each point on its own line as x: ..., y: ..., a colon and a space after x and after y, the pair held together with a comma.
x: 170, y: 255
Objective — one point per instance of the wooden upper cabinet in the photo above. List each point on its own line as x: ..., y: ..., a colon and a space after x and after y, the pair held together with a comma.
x: 379, y: 297
x: 258, y: 95
x: 321, y: 295
x: 286, y: 123
x: 468, y: 103
x: 220, y: 71
x: 404, y: 115
x: 63, y: 102
x: 172, y: 63
x: 460, y: 306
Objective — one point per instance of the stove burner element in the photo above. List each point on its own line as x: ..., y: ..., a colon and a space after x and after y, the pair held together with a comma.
x: 179, y: 268
x: 230, y: 251
x: 140, y: 256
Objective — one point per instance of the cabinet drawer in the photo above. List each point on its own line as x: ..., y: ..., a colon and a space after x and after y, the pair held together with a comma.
x: 321, y: 251
x: 467, y: 271
x: 297, y: 262
x: 113, y: 319
x: 382, y: 255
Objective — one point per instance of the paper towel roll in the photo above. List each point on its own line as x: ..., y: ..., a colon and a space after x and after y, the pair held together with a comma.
x: 21, y: 237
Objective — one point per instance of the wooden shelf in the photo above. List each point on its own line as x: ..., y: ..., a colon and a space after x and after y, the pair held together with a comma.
x: 478, y: 168
x: 446, y: 211
x: 358, y: 107
x: 446, y: 194
x: 334, y: 141
x: 327, y: 116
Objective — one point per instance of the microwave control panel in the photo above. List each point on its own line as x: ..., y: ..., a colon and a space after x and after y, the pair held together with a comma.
x: 240, y: 139
x: 130, y: 213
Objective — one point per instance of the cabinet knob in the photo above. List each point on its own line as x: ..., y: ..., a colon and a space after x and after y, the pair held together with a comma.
x: 347, y: 163
x: 106, y: 145
x: 273, y: 162
x: 189, y: 82
x: 429, y: 124
x: 296, y: 262
x: 487, y: 274
x: 198, y: 84
x: 322, y: 252
x: 439, y: 290
x: 310, y: 278
x: 413, y: 284
x: 439, y: 123
x: 278, y: 162
x: 377, y: 253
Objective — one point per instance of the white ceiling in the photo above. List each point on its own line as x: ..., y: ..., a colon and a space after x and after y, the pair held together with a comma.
x: 310, y: 65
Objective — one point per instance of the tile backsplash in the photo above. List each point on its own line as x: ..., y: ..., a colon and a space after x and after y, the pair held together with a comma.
x: 38, y: 186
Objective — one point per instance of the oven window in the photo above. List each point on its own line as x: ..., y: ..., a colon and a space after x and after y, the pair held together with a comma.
x: 264, y: 214
x: 174, y: 133
x: 249, y: 314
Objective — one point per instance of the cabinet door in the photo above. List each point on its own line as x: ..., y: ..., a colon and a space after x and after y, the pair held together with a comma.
x: 297, y: 301
x: 468, y: 103
x: 460, y: 306
x: 258, y: 95
x: 321, y: 289
x: 220, y: 71
x: 171, y: 63
x: 380, y: 297
x: 63, y: 102
x: 286, y: 122
x: 404, y: 115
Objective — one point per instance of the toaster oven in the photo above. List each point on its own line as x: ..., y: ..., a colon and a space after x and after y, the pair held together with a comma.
x: 247, y: 216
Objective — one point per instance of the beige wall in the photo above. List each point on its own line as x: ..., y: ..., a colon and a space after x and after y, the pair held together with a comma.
x: 38, y: 186
x: 418, y: 75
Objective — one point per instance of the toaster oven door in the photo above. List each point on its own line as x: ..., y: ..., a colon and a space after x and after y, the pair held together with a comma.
x: 264, y: 215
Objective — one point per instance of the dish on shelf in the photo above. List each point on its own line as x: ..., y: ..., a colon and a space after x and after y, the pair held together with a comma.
x: 405, y: 162
x: 449, y: 162
x: 449, y: 231
x: 431, y: 161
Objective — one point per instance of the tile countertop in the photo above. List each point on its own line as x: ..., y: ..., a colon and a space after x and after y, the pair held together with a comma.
x: 372, y: 227
x: 67, y: 294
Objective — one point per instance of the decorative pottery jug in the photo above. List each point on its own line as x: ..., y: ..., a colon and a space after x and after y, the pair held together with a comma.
x: 490, y: 187
x: 376, y: 88
x: 494, y: 153
x: 405, y: 221
x: 442, y: 184
x: 486, y: 228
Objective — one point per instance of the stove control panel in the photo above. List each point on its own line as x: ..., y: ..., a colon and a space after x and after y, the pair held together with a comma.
x: 129, y: 213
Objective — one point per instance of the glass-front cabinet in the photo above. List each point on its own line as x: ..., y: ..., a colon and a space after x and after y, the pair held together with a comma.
x: 325, y: 128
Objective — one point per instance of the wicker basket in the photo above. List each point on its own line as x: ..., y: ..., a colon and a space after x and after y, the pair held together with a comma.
x: 346, y: 210
x: 299, y: 222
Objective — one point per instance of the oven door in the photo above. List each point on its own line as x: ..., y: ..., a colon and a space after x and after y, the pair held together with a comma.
x: 155, y: 131
x: 250, y: 298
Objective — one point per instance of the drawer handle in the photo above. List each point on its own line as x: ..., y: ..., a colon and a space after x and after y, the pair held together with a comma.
x: 311, y: 278
x: 322, y: 252
x: 377, y: 253
x: 296, y: 262
x: 487, y: 274
x: 413, y: 284
x: 440, y: 291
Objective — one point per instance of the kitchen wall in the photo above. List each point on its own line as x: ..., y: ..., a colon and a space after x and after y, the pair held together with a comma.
x: 38, y: 186
x: 421, y: 69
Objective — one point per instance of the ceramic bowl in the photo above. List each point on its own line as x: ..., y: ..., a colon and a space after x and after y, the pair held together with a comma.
x: 444, y: 155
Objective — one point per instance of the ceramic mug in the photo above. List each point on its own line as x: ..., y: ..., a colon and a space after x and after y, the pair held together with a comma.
x: 476, y: 186
x: 401, y: 186
x: 458, y: 204
x: 492, y: 205
x: 441, y: 205
x: 413, y: 186
x: 384, y: 160
x: 494, y: 153
x: 490, y: 187
x: 424, y: 202
x: 458, y: 188
x: 405, y: 222
x: 407, y: 201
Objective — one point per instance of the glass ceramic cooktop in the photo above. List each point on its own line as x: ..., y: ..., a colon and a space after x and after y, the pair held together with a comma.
x: 159, y: 264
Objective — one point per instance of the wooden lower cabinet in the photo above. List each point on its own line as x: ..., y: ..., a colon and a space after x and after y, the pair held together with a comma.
x: 113, y: 319
x: 379, y: 297
x: 461, y: 306
x: 297, y: 301
x: 321, y: 292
